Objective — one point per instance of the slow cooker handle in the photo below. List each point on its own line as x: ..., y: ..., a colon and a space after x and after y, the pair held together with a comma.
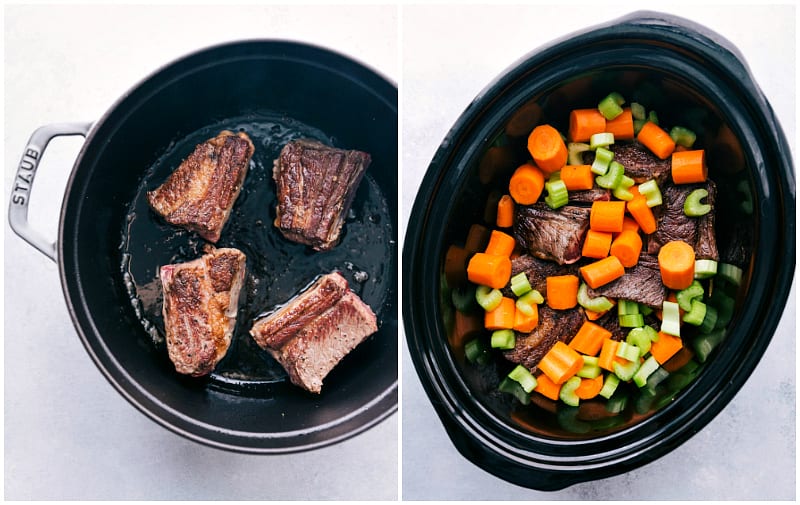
x: 23, y: 182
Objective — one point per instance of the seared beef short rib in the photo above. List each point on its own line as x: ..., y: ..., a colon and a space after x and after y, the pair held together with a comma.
x: 200, y: 193
x: 555, y: 235
x: 674, y: 224
x: 537, y: 271
x: 311, y: 334
x: 201, y: 298
x: 641, y: 283
x: 554, y: 325
x: 316, y: 185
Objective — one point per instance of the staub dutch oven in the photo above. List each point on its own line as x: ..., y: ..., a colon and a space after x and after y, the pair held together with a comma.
x: 683, y: 69
x: 110, y: 245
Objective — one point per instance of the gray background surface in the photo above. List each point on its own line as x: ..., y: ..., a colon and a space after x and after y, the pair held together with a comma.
x: 68, y: 434
x: 748, y: 450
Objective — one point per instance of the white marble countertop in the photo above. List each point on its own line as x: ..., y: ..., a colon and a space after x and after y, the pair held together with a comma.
x: 68, y: 434
x: 748, y: 451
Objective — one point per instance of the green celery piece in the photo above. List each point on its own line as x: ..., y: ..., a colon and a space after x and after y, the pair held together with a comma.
x: 610, y: 383
x: 590, y: 368
x: 603, y: 139
x: 503, y: 339
x: 524, y: 377
x: 533, y: 296
x: 476, y: 352
x: 610, y: 107
x: 685, y: 296
x: 597, y: 304
x: 730, y: 273
x: 638, y: 111
x: 524, y: 307
x: 574, y: 150
x: 649, y: 366
x: 625, y: 372
x: 653, y: 117
x: 651, y: 192
x: 621, y: 191
x: 512, y: 387
x: 671, y: 318
x: 637, y: 125
x: 683, y: 136
x: 693, y: 207
x: 724, y: 305
x: 613, y: 177
x: 709, y: 320
x: 631, y: 320
x: 705, y: 268
x: 488, y: 298
x: 557, y: 194
x: 628, y: 351
x: 463, y: 298
x: 567, y: 392
x: 520, y: 284
x: 642, y: 337
x: 617, y: 402
x: 602, y: 160
x: 704, y: 344
x: 697, y: 313
x: 627, y: 307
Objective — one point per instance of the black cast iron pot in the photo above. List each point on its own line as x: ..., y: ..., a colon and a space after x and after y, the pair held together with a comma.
x: 110, y: 244
x: 685, y: 73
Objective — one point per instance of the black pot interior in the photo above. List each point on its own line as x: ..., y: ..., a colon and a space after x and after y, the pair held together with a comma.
x: 547, y: 445
x: 112, y: 245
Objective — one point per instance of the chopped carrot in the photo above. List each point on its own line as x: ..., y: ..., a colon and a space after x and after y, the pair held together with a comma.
x: 589, y: 388
x: 577, y: 177
x: 505, y: 211
x: 583, y: 123
x: 596, y: 244
x: 464, y: 327
x: 477, y: 238
x: 524, y: 323
x: 676, y: 263
x: 546, y: 387
x: 628, y: 223
x: 627, y: 246
x: 500, y: 244
x: 562, y: 291
x: 665, y: 347
x: 560, y: 363
x: 502, y: 317
x: 689, y: 167
x: 678, y: 360
x: 489, y: 270
x: 622, y: 125
x: 602, y: 271
x: 607, y: 216
x: 642, y: 214
x: 547, y: 148
x: 589, y: 338
x: 592, y: 315
x: 455, y: 266
x: 608, y: 355
x: 656, y: 139
x: 526, y: 184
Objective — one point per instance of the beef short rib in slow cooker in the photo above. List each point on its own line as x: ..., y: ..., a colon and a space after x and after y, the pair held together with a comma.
x: 311, y: 334
x: 200, y: 193
x: 201, y: 298
x: 316, y: 185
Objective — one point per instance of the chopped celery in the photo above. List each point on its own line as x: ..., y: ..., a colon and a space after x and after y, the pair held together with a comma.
x: 574, y: 150
x: 638, y: 111
x: 604, y: 139
x: 567, y: 392
x: 631, y: 320
x: 628, y: 351
x: 602, y: 160
x: 520, y: 284
x: 637, y: 125
x: 612, y: 177
x: 709, y: 320
x: 653, y: 117
x: 503, y: 339
x: 463, y: 298
x: 651, y: 192
x: 724, y: 305
x: 697, y: 314
x: 617, y: 402
x: 693, y: 207
x: 704, y: 268
x: 649, y: 366
x: 488, y: 298
x: 590, y: 368
x: 524, y: 377
x: 642, y: 338
x: 625, y: 372
x: 512, y: 387
x: 685, y: 296
x: 597, y: 304
x: 671, y: 318
x: 645, y: 310
x: 627, y: 307
x: 557, y: 195
x: 683, y: 136
x: 525, y: 307
x: 621, y: 191
x: 476, y: 352
x: 532, y: 296
x: 704, y: 344
x: 730, y: 273
x: 610, y: 383
x: 611, y: 107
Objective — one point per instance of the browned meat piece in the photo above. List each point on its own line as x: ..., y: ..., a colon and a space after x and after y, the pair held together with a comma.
x: 554, y: 325
x: 537, y: 271
x: 706, y: 245
x: 201, y: 298
x: 200, y: 193
x: 640, y: 164
x: 555, y: 235
x: 311, y: 334
x: 590, y: 195
x: 641, y: 283
x: 316, y: 185
x: 610, y: 321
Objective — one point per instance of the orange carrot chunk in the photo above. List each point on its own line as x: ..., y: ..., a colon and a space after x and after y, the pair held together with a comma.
x: 546, y: 387
x: 689, y: 167
x: 560, y: 363
x: 589, y: 388
x: 500, y: 244
x: 628, y: 223
x: 608, y: 355
x: 627, y: 247
x: 526, y: 184
x: 583, y: 123
x: 577, y: 177
x: 665, y: 347
x: 589, y: 338
x: 502, y: 317
x: 656, y: 139
x: 607, y: 216
x: 676, y: 263
x: 489, y: 270
x: 622, y: 125
x: 602, y: 271
x: 525, y: 323
x: 547, y: 148
x: 562, y: 291
x: 642, y: 214
x: 596, y: 244
x: 505, y: 211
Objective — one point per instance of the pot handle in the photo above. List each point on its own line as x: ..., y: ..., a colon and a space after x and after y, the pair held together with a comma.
x: 23, y: 182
